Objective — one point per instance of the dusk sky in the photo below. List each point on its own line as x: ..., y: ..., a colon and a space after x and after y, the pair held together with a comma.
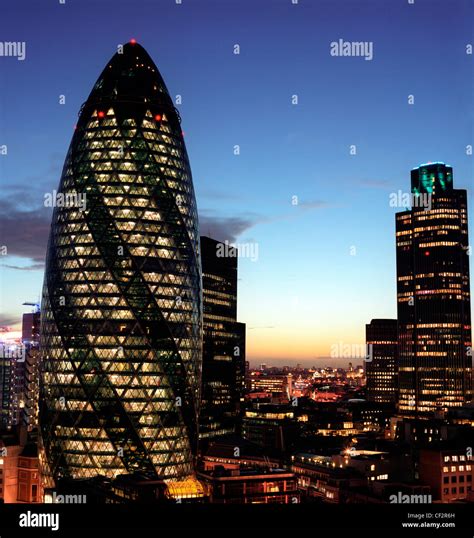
x: 326, y: 266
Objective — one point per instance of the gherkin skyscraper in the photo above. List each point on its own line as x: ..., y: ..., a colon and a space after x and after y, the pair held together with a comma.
x: 121, y: 330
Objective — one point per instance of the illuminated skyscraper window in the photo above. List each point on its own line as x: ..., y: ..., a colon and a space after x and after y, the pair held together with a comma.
x: 121, y: 332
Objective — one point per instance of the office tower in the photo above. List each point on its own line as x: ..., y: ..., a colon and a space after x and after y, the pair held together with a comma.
x: 223, y: 368
x: 30, y: 340
x: 19, y: 376
x: 381, y: 362
x: 121, y: 316
x: 435, y: 363
x: 30, y: 328
x: 275, y: 385
x: 6, y: 390
x: 12, y: 384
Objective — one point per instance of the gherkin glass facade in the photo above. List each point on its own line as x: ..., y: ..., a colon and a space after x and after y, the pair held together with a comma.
x: 121, y: 329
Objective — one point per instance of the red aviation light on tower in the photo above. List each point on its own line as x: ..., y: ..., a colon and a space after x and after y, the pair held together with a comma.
x: 158, y: 117
x: 133, y: 41
x: 101, y: 114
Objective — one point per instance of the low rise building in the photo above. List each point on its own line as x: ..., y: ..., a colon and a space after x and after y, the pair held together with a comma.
x: 448, y: 470
x: 251, y: 486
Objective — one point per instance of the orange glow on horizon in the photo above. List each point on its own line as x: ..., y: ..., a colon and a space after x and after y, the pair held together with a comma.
x: 301, y: 345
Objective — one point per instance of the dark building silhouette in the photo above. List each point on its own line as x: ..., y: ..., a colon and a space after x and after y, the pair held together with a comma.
x: 272, y: 427
x: 381, y: 364
x: 12, y: 384
x: 29, y: 485
x: 30, y: 340
x: 251, y: 486
x: 19, y: 377
x: 448, y: 470
x: 9, y: 372
x: 30, y: 329
x: 223, y: 368
x: 435, y: 363
x: 121, y: 330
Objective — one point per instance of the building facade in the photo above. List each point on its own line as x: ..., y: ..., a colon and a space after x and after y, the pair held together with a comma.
x: 29, y: 485
x: 381, y: 363
x: 251, y: 486
x: 448, y: 471
x: 6, y: 395
x: 12, y: 384
x: 19, y: 376
x: 19, y: 473
x: 30, y: 340
x: 223, y: 367
x: 276, y: 385
x: 270, y: 426
x: 121, y: 316
x: 435, y: 362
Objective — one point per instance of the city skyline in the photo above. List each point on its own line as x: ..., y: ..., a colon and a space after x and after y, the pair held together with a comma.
x: 235, y: 265
x: 343, y: 199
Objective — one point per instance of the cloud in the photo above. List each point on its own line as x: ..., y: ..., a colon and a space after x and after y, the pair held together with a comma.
x: 34, y: 267
x: 7, y: 319
x: 230, y: 228
x: 24, y: 221
x: 25, y: 233
x: 226, y: 228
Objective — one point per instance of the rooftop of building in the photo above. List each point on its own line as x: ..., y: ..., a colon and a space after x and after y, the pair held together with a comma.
x: 131, y: 78
x: 30, y: 451
x: 225, y: 446
x: 435, y: 163
x: 455, y: 446
x: 254, y: 473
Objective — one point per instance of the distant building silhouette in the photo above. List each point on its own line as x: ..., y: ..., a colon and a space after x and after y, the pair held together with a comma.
x: 381, y: 361
x: 223, y: 367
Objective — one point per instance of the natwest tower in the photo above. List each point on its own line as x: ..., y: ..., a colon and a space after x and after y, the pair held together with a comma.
x: 434, y: 323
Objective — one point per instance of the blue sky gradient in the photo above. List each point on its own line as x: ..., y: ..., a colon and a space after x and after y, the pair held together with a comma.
x: 306, y: 291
